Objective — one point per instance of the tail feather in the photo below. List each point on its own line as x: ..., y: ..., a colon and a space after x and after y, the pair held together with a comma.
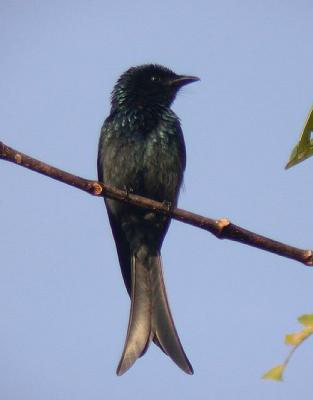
x: 162, y: 321
x: 150, y: 317
x: 139, y: 326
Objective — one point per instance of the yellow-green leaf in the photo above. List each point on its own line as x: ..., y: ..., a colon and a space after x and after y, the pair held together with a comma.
x: 304, y: 148
x: 306, y: 319
x: 296, y: 338
x: 275, y: 373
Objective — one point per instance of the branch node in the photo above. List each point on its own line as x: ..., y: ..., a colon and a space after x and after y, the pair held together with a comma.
x: 308, y: 258
x: 18, y: 158
x: 221, y: 224
x: 96, y: 189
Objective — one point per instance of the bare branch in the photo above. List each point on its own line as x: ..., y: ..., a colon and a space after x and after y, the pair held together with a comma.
x: 222, y: 229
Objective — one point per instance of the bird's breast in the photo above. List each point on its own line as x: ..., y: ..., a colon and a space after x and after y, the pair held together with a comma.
x: 161, y: 165
x: 146, y: 161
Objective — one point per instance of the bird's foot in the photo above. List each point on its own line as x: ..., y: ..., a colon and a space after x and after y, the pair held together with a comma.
x: 168, y: 206
x: 128, y: 190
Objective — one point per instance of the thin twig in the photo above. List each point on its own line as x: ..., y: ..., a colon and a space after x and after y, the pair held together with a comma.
x: 222, y: 228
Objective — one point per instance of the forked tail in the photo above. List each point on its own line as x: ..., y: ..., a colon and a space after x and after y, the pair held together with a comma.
x: 150, y: 317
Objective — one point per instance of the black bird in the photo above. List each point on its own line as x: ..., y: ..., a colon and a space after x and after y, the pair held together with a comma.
x: 142, y: 150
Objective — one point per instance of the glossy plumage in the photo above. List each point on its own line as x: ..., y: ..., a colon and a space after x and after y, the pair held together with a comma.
x: 142, y: 150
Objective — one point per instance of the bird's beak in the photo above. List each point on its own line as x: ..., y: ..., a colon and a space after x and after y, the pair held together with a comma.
x: 182, y: 80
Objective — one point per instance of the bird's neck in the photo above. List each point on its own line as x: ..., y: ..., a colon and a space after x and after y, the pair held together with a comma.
x: 144, y: 116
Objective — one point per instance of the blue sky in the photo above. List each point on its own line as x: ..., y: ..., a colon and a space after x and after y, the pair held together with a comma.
x: 63, y: 307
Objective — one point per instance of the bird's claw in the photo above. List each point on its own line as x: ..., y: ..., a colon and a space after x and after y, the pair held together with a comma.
x: 168, y: 205
x: 128, y: 190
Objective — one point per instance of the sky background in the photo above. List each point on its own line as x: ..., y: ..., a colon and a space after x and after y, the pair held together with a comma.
x: 63, y: 306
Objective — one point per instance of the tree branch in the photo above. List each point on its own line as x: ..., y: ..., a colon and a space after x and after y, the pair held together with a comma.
x: 222, y: 229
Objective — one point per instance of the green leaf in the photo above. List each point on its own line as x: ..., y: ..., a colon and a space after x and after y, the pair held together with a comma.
x: 276, y: 373
x: 304, y: 148
x: 306, y: 319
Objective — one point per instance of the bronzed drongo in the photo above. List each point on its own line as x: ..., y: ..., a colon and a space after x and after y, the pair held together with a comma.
x: 142, y: 150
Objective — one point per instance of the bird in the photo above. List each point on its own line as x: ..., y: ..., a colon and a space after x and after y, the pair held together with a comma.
x: 142, y: 151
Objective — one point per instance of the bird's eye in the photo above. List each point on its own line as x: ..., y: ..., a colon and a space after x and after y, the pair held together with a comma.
x: 155, y: 78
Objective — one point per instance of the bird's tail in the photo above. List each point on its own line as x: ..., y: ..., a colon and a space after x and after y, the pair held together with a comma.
x: 150, y: 317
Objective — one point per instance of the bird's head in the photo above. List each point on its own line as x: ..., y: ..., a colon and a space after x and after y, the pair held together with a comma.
x: 148, y: 85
